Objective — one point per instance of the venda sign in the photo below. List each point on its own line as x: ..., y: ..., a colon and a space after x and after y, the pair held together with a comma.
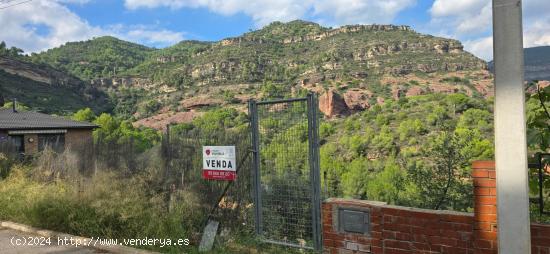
x: 218, y: 163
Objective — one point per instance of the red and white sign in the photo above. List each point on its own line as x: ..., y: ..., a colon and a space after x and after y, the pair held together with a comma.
x: 219, y: 163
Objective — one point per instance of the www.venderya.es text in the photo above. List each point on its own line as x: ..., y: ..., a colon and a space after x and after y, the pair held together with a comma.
x: 95, y: 241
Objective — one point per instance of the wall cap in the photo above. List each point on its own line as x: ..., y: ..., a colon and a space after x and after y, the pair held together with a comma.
x: 357, y: 202
x: 487, y: 164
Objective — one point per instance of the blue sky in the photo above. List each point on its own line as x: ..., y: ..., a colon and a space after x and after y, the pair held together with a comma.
x: 42, y: 24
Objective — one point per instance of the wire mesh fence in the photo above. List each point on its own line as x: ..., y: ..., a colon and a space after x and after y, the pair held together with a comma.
x: 120, y: 178
x: 182, y: 151
x: 286, y: 175
x: 166, y: 175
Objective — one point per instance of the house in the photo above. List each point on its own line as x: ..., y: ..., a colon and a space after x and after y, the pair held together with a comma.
x: 30, y: 132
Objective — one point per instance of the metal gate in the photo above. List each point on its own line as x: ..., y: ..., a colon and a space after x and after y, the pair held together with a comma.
x: 285, y: 139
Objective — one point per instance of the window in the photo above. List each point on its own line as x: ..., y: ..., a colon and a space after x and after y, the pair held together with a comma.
x: 17, y: 143
x: 54, y: 141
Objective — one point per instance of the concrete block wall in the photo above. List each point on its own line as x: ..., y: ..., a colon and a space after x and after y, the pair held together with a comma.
x: 396, y: 229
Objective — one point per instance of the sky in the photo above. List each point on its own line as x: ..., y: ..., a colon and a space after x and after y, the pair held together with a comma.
x: 37, y: 25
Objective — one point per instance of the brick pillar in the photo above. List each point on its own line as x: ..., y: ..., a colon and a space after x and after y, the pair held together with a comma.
x: 485, y: 207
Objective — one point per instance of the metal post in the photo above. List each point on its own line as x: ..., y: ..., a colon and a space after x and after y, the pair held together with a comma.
x: 257, y: 190
x: 541, y: 181
x: 315, y: 176
x: 510, y: 129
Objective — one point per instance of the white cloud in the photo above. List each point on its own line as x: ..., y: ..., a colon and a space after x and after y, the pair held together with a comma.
x: 537, y: 33
x: 444, y: 8
x: 19, y: 25
x: 482, y: 47
x: 262, y: 11
x: 74, y: 1
x: 150, y: 35
x: 462, y: 17
x: 361, y: 11
x: 43, y: 24
x: 265, y: 11
x: 471, y: 21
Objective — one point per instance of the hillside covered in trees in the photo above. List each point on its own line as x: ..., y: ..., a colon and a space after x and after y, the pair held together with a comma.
x: 407, y: 98
x: 364, y: 63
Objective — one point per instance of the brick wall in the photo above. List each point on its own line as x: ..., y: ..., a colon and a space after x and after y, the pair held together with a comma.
x: 31, y: 143
x: 77, y: 138
x: 540, y: 239
x: 396, y: 229
x: 485, y: 206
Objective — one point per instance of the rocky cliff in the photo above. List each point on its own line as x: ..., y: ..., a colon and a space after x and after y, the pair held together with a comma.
x: 47, y: 89
x: 361, y: 64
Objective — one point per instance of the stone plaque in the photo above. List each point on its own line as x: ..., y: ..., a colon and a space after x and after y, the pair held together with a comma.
x: 353, y: 221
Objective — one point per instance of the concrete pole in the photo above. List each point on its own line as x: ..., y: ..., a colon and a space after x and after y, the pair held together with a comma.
x: 510, y: 131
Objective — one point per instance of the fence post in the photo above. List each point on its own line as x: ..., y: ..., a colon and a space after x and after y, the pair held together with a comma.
x: 257, y: 190
x: 314, y: 164
x: 510, y: 128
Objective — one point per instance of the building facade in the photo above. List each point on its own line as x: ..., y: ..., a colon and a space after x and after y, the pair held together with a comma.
x: 29, y: 132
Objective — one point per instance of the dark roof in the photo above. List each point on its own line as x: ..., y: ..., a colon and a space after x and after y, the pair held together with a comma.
x: 24, y: 120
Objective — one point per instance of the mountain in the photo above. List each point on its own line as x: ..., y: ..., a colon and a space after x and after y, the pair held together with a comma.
x: 100, y: 57
x: 47, y: 89
x: 361, y: 64
x: 537, y: 63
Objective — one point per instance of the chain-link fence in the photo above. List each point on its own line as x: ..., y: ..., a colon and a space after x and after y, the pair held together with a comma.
x: 287, y: 171
x: 121, y: 183
x: 121, y: 174
x: 182, y: 153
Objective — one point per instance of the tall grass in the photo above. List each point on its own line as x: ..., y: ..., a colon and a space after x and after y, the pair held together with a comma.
x: 52, y: 193
x: 104, y: 207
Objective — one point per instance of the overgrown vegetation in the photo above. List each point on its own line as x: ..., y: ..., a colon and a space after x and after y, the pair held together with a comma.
x: 280, y: 56
x: 414, y: 151
x: 101, y: 57
x: 538, y: 140
x: 394, y: 152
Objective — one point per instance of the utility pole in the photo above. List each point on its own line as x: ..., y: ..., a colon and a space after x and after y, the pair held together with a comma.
x: 510, y: 129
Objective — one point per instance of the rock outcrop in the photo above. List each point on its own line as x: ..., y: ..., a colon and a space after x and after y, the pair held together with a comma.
x: 414, y: 91
x: 331, y: 104
x: 200, y: 102
x: 37, y: 73
x: 160, y: 121
x: 357, y: 99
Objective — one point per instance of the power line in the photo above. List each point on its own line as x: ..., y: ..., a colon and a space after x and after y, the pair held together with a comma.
x: 8, y: 6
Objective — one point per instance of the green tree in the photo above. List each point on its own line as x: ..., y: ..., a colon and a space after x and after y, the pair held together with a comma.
x: 19, y: 106
x: 440, y: 180
x: 389, y: 185
x: 538, y: 119
x: 84, y: 115
x: 354, y: 179
x: 475, y: 118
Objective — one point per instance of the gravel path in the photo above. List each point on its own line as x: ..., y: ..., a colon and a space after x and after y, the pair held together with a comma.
x: 8, y: 237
